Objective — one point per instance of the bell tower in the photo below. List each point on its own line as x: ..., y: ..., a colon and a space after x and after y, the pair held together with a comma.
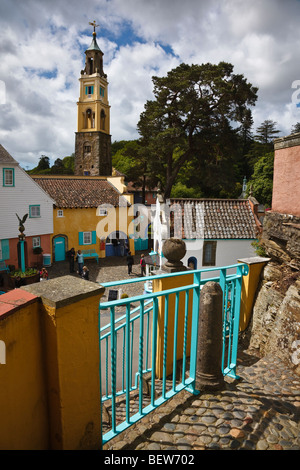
x: 92, y: 139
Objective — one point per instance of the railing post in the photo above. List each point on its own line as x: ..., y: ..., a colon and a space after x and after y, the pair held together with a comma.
x: 194, y: 332
x: 209, y: 350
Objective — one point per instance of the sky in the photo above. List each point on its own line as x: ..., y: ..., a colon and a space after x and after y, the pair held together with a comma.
x: 42, y: 46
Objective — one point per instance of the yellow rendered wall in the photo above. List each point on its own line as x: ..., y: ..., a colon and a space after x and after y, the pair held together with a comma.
x: 50, y: 384
x: 161, y: 285
x: 85, y: 220
x: 249, y: 287
x: 72, y: 340
x: 74, y: 221
x: 23, y: 402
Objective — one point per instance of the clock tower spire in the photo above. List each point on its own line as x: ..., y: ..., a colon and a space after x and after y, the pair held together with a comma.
x: 92, y: 139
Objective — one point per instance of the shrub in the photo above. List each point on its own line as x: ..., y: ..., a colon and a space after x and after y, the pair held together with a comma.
x: 27, y: 272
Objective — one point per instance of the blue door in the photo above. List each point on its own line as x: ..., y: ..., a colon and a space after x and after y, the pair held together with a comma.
x: 59, y: 249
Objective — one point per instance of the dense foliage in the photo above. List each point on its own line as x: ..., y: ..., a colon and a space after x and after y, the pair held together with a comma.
x: 191, y: 126
x: 64, y: 166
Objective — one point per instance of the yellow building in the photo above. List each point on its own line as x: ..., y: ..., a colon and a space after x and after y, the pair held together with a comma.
x: 89, y: 214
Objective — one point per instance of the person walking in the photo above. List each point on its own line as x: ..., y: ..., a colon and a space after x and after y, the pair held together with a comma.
x: 130, y: 262
x: 79, y: 260
x: 143, y: 265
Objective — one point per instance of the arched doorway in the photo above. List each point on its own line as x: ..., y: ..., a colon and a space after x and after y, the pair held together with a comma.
x: 192, y: 262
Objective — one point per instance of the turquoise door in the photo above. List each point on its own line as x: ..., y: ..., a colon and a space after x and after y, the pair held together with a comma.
x: 59, y: 249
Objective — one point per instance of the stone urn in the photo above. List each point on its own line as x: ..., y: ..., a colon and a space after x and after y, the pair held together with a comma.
x: 174, y: 250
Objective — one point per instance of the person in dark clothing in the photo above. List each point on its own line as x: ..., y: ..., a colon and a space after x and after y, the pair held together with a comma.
x: 85, y: 273
x: 71, y: 260
x: 129, y: 262
x: 79, y: 259
x: 115, y: 244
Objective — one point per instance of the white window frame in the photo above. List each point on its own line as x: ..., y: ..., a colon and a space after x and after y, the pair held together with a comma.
x: 8, y: 177
x: 32, y: 213
x: 102, y: 212
x: 60, y: 213
x: 87, y: 238
x: 36, y: 242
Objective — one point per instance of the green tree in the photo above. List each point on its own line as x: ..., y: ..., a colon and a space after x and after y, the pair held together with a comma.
x: 194, y: 108
x: 261, y: 182
x: 42, y: 168
x: 68, y: 163
x: 58, y: 167
x: 131, y: 159
x: 296, y: 128
x: 180, y: 190
x: 267, y: 132
x: 44, y: 163
x: 261, y: 145
x: 63, y: 166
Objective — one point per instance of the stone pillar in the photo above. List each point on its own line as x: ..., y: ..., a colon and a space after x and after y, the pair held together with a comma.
x: 209, y: 351
x: 174, y: 250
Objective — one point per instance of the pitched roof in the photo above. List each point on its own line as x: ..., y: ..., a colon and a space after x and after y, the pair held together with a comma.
x: 5, y: 157
x: 215, y: 218
x: 80, y: 192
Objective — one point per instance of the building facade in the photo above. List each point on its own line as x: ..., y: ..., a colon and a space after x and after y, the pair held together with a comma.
x: 286, y: 187
x: 20, y: 195
x: 217, y: 232
x: 90, y: 213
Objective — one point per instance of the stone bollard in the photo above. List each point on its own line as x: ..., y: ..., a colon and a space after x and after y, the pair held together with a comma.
x: 209, y: 351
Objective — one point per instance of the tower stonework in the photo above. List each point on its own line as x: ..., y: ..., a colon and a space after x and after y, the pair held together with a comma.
x: 93, y: 139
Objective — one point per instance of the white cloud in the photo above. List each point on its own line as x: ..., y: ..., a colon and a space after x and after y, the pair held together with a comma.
x: 42, y: 47
x: 131, y: 86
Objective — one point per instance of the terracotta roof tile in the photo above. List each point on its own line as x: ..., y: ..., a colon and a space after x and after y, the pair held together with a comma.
x: 80, y: 192
x: 215, y: 218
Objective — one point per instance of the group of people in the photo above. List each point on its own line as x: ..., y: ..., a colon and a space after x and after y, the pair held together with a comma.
x: 82, y: 270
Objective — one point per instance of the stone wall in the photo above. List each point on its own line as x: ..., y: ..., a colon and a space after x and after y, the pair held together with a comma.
x: 98, y: 160
x: 275, y: 324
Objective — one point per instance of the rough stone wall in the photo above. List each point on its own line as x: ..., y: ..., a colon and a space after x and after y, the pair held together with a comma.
x: 98, y: 161
x: 275, y: 324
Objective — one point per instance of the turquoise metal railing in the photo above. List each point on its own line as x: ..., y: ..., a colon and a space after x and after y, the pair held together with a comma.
x: 128, y: 342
